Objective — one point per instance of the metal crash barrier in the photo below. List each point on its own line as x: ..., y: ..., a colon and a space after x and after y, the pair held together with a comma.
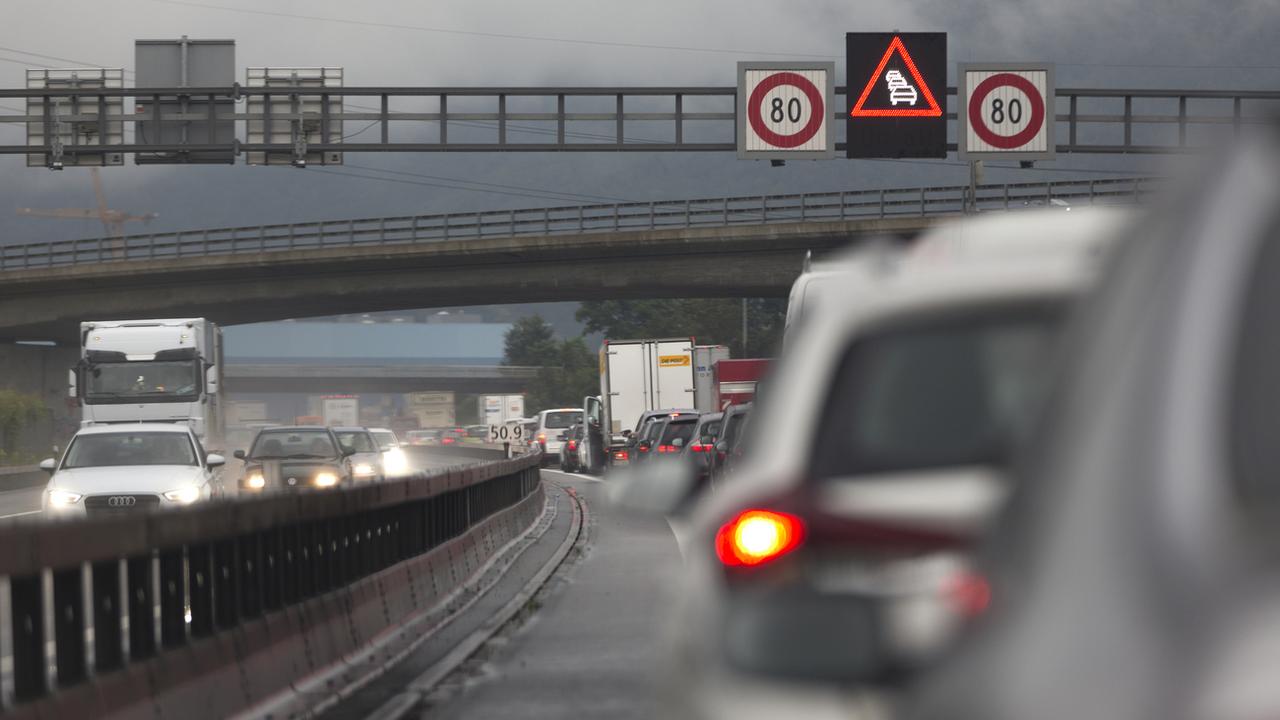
x: 225, y: 604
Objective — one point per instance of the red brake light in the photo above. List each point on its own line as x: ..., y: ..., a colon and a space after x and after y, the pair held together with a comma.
x: 969, y: 594
x: 699, y: 447
x: 620, y: 455
x: 573, y: 444
x: 447, y: 441
x: 758, y: 536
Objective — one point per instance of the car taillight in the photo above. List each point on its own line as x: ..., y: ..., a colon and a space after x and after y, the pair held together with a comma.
x: 573, y: 444
x: 968, y: 594
x: 666, y: 448
x: 542, y: 437
x: 447, y: 441
x: 758, y: 536
x: 620, y: 455
x: 699, y: 447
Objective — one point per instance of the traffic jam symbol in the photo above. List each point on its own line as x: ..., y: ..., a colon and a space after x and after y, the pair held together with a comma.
x: 783, y: 110
x: 896, y: 88
x: 1006, y: 111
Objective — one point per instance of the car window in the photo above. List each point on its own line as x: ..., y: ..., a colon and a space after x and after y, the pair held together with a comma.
x: 292, y: 444
x: 385, y: 440
x: 733, y: 427
x: 710, y: 430
x: 357, y: 441
x: 559, y: 420
x: 129, y: 448
x: 952, y: 392
x: 678, y: 430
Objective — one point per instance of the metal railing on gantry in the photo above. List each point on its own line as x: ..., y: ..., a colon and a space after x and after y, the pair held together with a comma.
x: 579, y: 219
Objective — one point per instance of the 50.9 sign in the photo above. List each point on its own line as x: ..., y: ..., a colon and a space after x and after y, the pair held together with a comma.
x: 784, y: 110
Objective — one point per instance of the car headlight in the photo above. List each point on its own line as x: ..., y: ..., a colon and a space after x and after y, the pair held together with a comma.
x: 362, y: 469
x: 255, y: 480
x: 326, y: 479
x: 185, y: 496
x: 394, y: 461
x: 61, y: 498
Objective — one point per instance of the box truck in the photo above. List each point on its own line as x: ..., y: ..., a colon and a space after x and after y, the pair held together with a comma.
x: 635, y: 376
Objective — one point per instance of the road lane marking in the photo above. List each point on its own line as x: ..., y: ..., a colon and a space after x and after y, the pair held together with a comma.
x: 573, y: 476
x: 29, y: 512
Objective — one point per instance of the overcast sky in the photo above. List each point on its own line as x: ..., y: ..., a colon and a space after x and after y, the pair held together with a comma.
x: 1094, y: 43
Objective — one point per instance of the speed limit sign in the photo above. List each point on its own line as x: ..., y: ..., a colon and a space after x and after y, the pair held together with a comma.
x: 784, y: 110
x: 1006, y: 111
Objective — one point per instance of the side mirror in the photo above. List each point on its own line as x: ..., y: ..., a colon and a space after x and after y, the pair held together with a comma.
x: 348, y: 451
x: 644, y: 446
x: 239, y: 454
x: 214, y: 460
x: 211, y: 379
x: 677, y: 443
x: 48, y: 465
x: 626, y: 433
x: 72, y: 382
x: 722, y: 446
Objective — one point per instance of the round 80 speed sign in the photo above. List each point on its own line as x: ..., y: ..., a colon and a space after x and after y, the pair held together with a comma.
x: 1006, y: 112
x: 783, y: 110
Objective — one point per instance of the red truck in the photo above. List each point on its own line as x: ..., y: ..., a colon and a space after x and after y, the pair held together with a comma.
x: 734, y: 381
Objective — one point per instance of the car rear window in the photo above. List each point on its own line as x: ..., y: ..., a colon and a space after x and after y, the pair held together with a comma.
x: 678, y: 430
x: 559, y: 420
x: 952, y: 392
x: 710, y: 429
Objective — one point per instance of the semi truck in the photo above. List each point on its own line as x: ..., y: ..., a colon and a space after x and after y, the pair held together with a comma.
x: 152, y: 371
x: 733, y: 382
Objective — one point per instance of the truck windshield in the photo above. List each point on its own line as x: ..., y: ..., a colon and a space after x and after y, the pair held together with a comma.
x: 157, y: 381
x: 129, y: 448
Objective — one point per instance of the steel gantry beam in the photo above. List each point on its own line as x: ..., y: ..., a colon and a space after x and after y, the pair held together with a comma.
x: 1092, y: 120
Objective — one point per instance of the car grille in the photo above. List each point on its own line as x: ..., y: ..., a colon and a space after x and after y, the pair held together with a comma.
x: 98, y: 505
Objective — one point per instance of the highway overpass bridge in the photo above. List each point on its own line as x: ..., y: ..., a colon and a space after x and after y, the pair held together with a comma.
x: 716, y: 247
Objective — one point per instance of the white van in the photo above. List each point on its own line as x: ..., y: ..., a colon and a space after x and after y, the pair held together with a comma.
x: 551, y: 423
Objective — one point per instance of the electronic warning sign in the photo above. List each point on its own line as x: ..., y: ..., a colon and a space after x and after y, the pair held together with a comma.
x: 784, y: 110
x: 897, y: 93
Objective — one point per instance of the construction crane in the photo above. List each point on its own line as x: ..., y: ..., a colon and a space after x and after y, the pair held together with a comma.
x: 112, y: 220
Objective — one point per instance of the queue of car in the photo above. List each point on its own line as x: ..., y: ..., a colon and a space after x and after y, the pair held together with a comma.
x: 136, y: 467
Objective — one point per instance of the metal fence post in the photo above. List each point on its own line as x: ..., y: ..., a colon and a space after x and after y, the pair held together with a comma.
x: 764, y: 208
x: 26, y: 598
x: 142, y: 629
x: 108, y: 648
x: 921, y: 202
x: 173, y: 599
x: 68, y: 625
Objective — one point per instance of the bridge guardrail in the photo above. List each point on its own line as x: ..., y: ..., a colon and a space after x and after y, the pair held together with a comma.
x: 575, y: 219
x: 198, y: 585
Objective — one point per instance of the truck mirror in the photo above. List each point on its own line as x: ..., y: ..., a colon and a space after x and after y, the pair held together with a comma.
x: 678, y: 442
x: 722, y: 446
x: 211, y: 379
x: 72, y: 382
x: 239, y: 454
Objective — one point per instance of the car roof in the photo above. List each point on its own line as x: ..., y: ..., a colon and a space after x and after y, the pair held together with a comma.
x: 133, y: 427
x: 349, y: 428
x: 381, y: 430
x: 294, y: 428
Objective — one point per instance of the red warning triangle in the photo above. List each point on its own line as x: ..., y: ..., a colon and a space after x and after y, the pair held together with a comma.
x: 932, y: 109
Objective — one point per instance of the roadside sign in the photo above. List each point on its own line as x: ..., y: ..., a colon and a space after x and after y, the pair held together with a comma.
x: 506, y: 433
x: 1006, y: 111
x: 784, y: 111
x: 896, y: 95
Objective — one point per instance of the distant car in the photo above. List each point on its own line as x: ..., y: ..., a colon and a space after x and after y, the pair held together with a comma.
x: 701, y: 447
x: 631, y: 451
x: 478, y: 432
x: 728, y: 446
x: 115, y: 469
x: 394, y: 462
x: 550, y: 423
x: 452, y: 436
x: 839, y: 556
x: 365, y: 455
x: 665, y: 435
x: 570, y: 439
x: 303, y: 457
x: 423, y: 437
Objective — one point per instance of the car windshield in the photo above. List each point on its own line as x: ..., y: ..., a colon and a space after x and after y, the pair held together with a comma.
x: 560, y: 420
x: 951, y: 393
x: 108, y: 381
x: 130, y: 448
x: 293, y: 444
x: 386, y: 440
x: 357, y: 441
x: 680, y: 430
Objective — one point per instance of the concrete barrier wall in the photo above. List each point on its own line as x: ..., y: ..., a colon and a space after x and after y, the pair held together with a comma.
x: 234, y: 670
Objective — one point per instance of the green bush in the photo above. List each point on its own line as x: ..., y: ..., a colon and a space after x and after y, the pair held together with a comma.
x: 16, y: 411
